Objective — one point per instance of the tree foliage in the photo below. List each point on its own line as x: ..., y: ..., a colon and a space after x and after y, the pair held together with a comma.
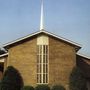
x: 77, y: 80
x: 12, y: 79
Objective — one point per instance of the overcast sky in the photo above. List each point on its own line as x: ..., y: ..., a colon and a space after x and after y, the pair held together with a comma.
x: 67, y: 18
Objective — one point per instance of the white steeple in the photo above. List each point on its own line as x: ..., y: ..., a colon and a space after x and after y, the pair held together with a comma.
x: 42, y: 17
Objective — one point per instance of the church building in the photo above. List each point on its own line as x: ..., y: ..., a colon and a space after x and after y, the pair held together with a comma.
x: 42, y: 58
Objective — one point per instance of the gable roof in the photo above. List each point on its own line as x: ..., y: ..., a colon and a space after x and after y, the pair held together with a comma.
x: 78, y: 46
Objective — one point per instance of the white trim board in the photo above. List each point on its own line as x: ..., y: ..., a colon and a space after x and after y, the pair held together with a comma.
x: 45, y: 32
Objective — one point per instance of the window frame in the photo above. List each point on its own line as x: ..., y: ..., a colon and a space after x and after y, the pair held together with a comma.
x: 42, y: 64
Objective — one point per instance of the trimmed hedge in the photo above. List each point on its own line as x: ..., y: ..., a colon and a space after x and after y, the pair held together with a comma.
x: 42, y: 87
x: 58, y: 87
x: 27, y: 88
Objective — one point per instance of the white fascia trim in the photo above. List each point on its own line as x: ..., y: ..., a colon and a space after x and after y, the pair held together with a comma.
x: 3, y: 55
x: 17, y: 40
x: 82, y: 55
x: 64, y: 39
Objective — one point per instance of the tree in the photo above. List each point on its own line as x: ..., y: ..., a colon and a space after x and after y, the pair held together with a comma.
x: 11, y: 80
x: 77, y: 80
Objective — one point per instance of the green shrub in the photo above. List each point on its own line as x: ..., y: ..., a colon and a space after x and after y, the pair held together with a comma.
x: 11, y: 80
x: 27, y: 88
x: 58, y: 87
x: 42, y: 87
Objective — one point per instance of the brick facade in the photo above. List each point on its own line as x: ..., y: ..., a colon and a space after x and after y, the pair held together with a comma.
x: 62, y: 58
x: 23, y: 58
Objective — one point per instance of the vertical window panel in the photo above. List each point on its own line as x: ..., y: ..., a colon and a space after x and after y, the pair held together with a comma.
x: 37, y: 59
x: 40, y: 79
x: 42, y: 64
x: 43, y: 68
x: 43, y: 49
x: 40, y: 59
x: 44, y: 58
x: 44, y: 78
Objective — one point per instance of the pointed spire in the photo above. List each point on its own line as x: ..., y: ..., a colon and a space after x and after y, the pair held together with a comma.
x: 42, y: 17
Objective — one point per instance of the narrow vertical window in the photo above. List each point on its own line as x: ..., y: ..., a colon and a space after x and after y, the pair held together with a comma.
x: 42, y: 64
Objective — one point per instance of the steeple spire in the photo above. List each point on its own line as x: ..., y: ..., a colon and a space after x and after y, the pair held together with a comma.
x: 42, y: 17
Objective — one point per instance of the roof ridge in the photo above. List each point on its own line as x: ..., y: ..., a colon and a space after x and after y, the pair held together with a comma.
x: 42, y: 31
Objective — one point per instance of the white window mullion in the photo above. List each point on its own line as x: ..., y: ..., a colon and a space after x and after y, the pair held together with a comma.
x: 48, y: 64
x: 45, y: 64
x: 42, y: 64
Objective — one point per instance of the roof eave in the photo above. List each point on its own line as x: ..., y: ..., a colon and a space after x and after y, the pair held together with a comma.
x: 84, y: 56
x: 77, y: 46
x: 4, y: 55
